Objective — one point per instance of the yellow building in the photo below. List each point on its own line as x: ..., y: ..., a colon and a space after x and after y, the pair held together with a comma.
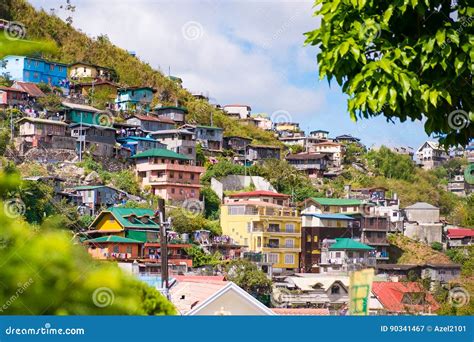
x: 264, y: 222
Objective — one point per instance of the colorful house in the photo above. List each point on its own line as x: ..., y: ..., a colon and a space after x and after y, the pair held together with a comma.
x: 134, y: 98
x: 96, y: 196
x: 11, y: 97
x: 170, y: 175
x: 264, y: 222
x: 35, y: 70
x: 334, y: 205
x: 180, y: 141
x: 77, y: 113
x: 345, y: 255
x: 80, y: 70
x: 99, y: 140
x: 114, y: 247
x: 139, y: 144
x: 36, y: 132
x: 177, y: 114
x: 210, y: 137
x: 150, y: 123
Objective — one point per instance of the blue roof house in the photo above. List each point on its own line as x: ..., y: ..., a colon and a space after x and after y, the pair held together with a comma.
x: 134, y: 98
x: 140, y: 144
x: 35, y: 70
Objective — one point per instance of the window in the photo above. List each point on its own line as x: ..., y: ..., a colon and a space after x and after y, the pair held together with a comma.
x: 290, y: 228
x: 192, y: 176
x: 171, y: 174
x: 116, y: 249
x: 289, y: 259
x: 315, y: 238
x: 335, y: 289
x: 180, y: 175
x: 338, y: 254
x: 259, y: 241
x: 129, y: 249
x: 308, y: 238
x: 273, y: 258
x: 273, y: 227
x: 172, y: 190
x: 289, y: 243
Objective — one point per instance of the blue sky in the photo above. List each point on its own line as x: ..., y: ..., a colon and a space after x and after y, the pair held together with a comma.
x: 247, y: 52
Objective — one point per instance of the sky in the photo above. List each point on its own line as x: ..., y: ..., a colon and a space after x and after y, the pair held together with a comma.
x: 237, y: 52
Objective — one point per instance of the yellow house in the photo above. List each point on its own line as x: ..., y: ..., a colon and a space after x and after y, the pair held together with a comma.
x: 134, y: 223
x: 263, y: 221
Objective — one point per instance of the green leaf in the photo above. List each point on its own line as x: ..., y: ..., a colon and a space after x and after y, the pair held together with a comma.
x: 458, y: 62
x: 440, y: 37
x: 387, y: 14
x: 344, y: 48
x: 434, y: 97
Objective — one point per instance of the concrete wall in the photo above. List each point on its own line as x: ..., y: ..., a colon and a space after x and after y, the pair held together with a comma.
x: 427, y: 233
x: 422, y: 215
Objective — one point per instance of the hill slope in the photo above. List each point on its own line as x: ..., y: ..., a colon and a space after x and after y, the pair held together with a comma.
x: 76, y: 46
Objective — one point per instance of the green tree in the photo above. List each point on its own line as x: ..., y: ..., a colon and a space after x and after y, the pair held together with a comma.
x: 201, y: 258
x: 50, y: 102
x: 401, y: 59
x: 391, y: 165
x: 125, y: 180
x: 212, y: 203
x: 246, y: 275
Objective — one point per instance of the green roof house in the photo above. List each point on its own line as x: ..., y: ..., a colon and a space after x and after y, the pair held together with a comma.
x: 344, y: 255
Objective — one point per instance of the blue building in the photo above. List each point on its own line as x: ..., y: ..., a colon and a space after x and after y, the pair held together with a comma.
x: 134, y: 98
x: 35, y: 70
x: 140, y: 144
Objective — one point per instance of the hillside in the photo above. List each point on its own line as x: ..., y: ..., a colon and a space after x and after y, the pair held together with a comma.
x: 417, y: 253
x: 131, y: 71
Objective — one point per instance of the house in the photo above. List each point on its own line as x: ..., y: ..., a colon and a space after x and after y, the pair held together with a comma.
x: 334, y: 150
x: 93, y: 197
x: 423, y: 223
x: 458, y: 186
x: 170, y: 175
x: 100, y: 86
x: 11, y: 97
x: 178, y: 258
x: 99, y: 140
x: 139, y: 144
x: 150, y: 123
x: 431, y: 155
x: 258, y: 153
x: 263, y: 122
x: 286, y: 127
x: 440, y: 273
x: 460, y: 237
x: 134, y: 223
x: 35, y: 70
x: 347, y: 139
x: 315, y: 291
x: 77, y: 113
x: 399, y: 272
x: 180, y: 141
x: 238, y: 111
x: 134, y: 99
x: 52, y: 181
x: 319, y: 134
x: 313, y: 164
x: 80, y: 70
x: 402, y: 298
x: 210, y: 137
x: 230, y: 300
x: 346, y: 206
x: 263, y: 221
x: 293, y: 140
x: 112, y: 247
x: 188, y: 291
x: 237, y: 144
x: 34, y: 133
x: 175, y: 113
x: 28, y: 87
x: 374, y: 233
x: 345, y: 255
x: 319, y: 228
x: 403, y: 150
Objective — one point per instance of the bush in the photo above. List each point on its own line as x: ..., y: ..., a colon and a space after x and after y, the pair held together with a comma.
x: 437, y: 246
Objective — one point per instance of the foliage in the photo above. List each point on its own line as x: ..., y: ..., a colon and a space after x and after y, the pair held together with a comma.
x: 295, y: 149
x: 437, y: 246
x: 221, y: 169
x: 4, y: 140
x: 200, y: 157
x: 391, y: 165
x: 246, y: 275
x: 25, y: 47
x: 401, y: 59
x: 43, y: 267
x: 184, y: 221
x: 353, y: 152
x: 201, y: 258
x: 100, y: 97
x: 126, y: 181
x: 212, y: 203
x: 51, y: 102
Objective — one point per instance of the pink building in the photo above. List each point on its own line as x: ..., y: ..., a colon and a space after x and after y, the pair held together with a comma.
x: 171, y: 175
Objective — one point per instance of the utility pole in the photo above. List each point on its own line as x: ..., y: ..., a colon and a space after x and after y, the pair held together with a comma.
x: 163, y: 245
x: 80, y: 139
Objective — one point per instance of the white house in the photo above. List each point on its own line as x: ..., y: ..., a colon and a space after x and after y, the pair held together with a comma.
x: 431, y: 155
x: 238, y: 110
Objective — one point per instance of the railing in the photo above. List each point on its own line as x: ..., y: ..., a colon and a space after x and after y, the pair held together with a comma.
x: 373, y: 240
x: 369, y: 261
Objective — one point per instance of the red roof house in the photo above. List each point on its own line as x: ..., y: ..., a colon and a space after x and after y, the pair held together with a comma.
x: 404, y: 297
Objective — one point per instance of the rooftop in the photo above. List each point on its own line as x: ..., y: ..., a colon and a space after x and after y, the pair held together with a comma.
x: 180, y: 108
x: 259, y: 193
x: 345, y: 243
x: 122, y: 215
x: 31, y: 88
x: 336, y: 201
x: 76, y: 106
x: 421, y: 205
x: 459, y: 233
x: 160, y: 153
x: 330, y: 216
x: 153, y: 118
x: 305, y: 156
x: 113, y: 239
x: 42, y: 121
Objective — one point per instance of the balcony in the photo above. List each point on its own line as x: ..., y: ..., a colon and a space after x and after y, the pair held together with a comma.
x: 282, y: 247
x: 368, y: 261
x: 274, y: 231
x: 375, y: 241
